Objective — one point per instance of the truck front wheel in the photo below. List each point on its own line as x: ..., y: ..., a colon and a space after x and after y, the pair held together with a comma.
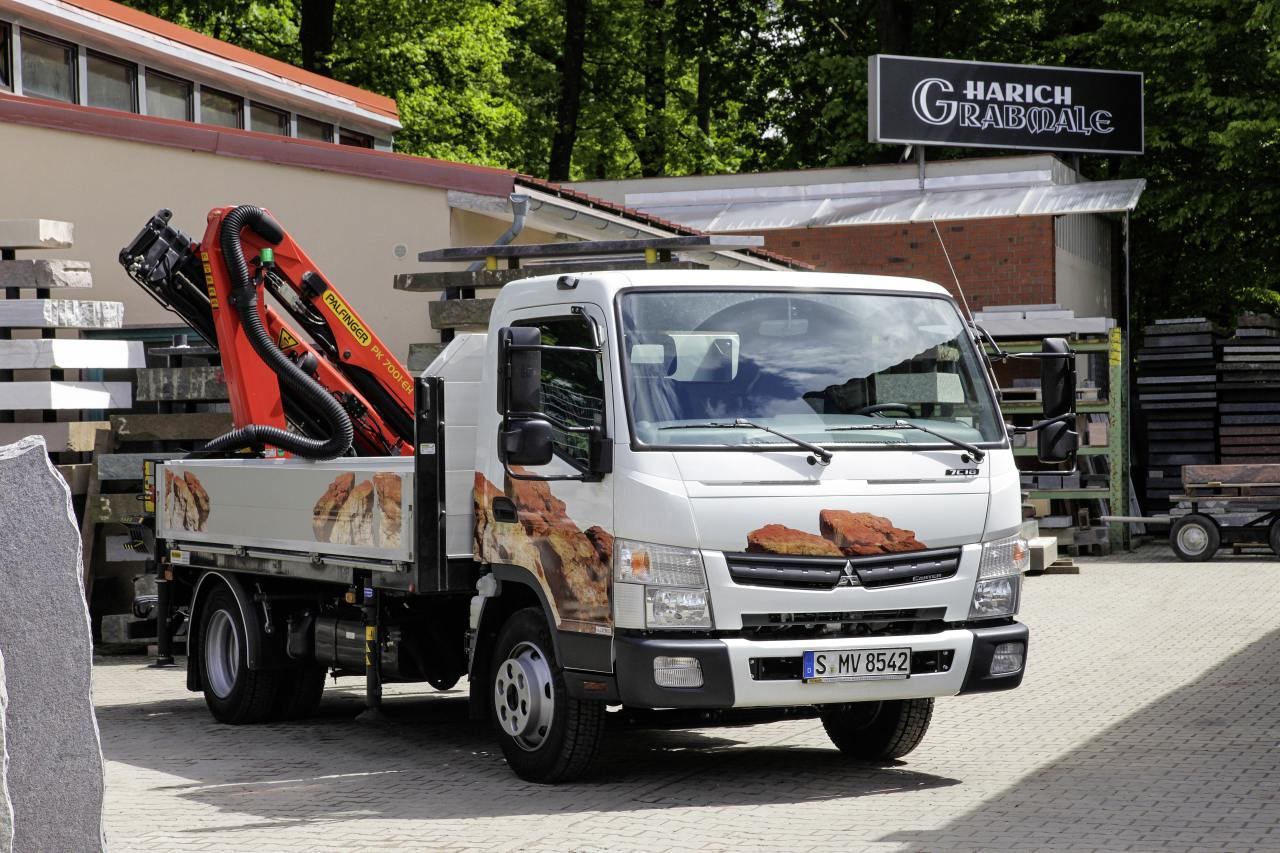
x: 546, y: 735
x: 878, y: 731
x: 234, y: 693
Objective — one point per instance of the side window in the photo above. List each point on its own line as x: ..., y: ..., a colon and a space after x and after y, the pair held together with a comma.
x: 572, y: 388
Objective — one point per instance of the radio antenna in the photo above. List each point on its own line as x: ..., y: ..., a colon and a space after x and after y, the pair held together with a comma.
x: 950, y: 266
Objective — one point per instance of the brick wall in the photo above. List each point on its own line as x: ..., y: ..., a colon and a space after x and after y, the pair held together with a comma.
x: 999, y: 261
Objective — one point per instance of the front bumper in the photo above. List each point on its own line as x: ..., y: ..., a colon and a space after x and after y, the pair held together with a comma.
x: 728, y: 666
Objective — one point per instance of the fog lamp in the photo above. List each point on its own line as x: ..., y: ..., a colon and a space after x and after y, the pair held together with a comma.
x: 677, y: 671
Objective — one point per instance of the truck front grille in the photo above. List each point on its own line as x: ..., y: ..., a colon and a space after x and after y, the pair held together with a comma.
x: 864, y: 623
x: 881, y: 570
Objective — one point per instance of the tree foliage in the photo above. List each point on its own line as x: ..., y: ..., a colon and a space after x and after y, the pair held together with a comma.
x: 579, y: 89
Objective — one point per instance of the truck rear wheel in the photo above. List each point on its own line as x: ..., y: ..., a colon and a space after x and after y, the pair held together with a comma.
x: 1195, y: 538
x: 878, y: 731
x: 234, y: 693
x: 300, y: 691
x: 546, y: 735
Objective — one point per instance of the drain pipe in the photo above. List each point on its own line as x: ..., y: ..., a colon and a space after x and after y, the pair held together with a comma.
x: 519, y: 209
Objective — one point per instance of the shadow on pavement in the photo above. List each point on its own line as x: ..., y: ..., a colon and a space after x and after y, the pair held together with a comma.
x: 428, y: 761
x: 1197, y: 767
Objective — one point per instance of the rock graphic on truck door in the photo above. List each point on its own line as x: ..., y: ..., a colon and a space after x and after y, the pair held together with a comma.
x: 186, y: 501
x: 388, y: 486
x: 844, y: 533
x: 573, y: 565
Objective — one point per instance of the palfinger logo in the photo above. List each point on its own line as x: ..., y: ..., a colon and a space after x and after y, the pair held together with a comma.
x: 348, y: 318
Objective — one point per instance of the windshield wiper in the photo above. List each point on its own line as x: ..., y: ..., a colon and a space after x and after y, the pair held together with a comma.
x: 822, y: 453
x: 977, y: 453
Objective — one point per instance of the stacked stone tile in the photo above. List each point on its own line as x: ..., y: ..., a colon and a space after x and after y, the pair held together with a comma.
x: 1178, y: 400
x: 1249, y: 388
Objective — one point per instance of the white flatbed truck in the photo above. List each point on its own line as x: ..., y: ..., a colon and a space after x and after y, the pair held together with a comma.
x: 659, y: 490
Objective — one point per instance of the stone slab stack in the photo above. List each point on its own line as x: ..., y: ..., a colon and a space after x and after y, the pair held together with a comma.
x: 1178, y: 400
x: 1249, y: 387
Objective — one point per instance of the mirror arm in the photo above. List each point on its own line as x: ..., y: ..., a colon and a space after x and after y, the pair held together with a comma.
x: 1038, y: 425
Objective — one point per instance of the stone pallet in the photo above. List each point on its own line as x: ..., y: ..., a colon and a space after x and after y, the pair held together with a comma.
x: 70, y: 354
x: 60, y: 314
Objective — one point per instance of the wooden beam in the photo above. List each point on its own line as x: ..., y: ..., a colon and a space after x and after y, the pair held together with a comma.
x: 62, y: 354
x: 690, y: 243
x: 73, y: 437
x: 181, y: 383
x: 36, y: 234
x: 192, y: 426
x: 60, y: 314
x: 45, y: 274
x: 65, y: 395
x: 428, y: 282
x: 77, y: 477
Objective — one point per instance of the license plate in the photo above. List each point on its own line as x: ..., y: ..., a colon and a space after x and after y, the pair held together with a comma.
x: 857, y: 664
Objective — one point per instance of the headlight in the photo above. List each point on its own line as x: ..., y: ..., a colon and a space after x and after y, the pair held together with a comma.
x: 659, y: 586
x: 996, y: 592
x: 657, y: 565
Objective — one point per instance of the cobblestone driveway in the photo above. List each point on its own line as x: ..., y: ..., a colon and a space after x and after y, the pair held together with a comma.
x: 1149, y: 719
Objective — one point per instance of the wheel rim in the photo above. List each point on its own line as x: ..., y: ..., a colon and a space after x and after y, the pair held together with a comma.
x: 523, y: 697
x: 1193, y: 539
x: 221, y: 653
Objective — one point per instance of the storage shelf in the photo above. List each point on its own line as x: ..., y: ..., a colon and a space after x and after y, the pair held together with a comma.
x: 1018, y: 407
x: 1087, y: 450
x: 1072, y: 494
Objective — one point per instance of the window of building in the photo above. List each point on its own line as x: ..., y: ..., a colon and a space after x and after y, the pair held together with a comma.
x: 351, y: 137
x: 572, y: 390
x: 266, y: 119
x: 113, y: 83
x: 6, y: 75
x: 220, y: 108
x: 309, y: 128
x: 168, y: 97
x: 48, y: 68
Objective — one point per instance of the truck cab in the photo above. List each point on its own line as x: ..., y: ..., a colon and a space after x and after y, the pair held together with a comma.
x: 737, y: 490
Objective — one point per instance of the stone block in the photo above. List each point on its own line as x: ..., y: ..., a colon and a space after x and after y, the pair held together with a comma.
x: 58, y: 354
x: 60, y: 314
x: 70, y: 437
x: 128, y: 466
x: 460, y: 313
x: 36, y: 234
x: 55, y: 773
x: 18, y: 396
x: 45, y: 274
x: 181, y: 383
x: 421, y: 355
x: 188, y: 426
x: 6, y: 804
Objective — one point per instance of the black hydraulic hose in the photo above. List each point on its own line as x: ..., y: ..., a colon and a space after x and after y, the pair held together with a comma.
x: 245, y: 298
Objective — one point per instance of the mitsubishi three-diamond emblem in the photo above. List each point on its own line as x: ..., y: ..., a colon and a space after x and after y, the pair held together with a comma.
x: 848, y: 578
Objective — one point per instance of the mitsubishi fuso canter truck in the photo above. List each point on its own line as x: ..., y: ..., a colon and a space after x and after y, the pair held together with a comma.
x: 659, y: 490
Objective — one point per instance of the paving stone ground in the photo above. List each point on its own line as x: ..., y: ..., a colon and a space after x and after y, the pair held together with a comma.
x: 1149, y: 720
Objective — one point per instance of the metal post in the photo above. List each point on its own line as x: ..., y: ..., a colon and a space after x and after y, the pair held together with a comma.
x: 920, y: 165
x: 164, y: 613
x: 1117, y: 437
x: 372, y: 654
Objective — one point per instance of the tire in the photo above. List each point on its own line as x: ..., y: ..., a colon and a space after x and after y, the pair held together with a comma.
x: 443, y: 683
x: 878, y: 732
x: 234, y: 693
x: 546, y: 735
x: 1273, y: 536
x: 300, y: 692
x: 1195, y: 538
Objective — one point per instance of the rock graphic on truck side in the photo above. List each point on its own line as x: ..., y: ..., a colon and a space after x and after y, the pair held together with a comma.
x: 844, y: 534
x: 325, y: 513
x: 354, y: 522
x: 388, y: 487
x: 186, y: 501
x: 572, y: 563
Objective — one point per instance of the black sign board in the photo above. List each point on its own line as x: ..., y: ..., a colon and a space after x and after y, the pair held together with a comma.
x: 991, y: 105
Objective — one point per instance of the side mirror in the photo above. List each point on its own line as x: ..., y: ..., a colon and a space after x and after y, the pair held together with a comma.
x: 1057, y: 378
x: 1057, y: 444
x: 519, y: 370
x: 525, y: 442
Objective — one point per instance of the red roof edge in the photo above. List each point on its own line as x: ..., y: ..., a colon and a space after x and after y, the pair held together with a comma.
x: 371, y: 101
x: 249, y: 145
x: 646, y: 219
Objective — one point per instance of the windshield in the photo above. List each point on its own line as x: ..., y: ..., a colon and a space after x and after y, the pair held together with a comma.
x: 834, y: 368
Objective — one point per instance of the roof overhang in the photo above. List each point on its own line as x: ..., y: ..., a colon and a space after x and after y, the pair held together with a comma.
x: 236, y: 69
x: 561, y: 216
x: 985, y: 196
